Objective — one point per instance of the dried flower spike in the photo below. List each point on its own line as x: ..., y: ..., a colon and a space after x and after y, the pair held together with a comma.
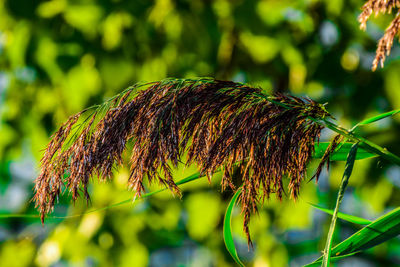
x: 386, y: 42
x: 220, y: 124
x: 326, y: 157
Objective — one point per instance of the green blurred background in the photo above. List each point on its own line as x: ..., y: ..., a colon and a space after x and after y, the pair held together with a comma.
x: 60, y: 56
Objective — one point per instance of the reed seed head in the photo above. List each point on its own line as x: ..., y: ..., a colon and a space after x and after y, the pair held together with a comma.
x: 220, y: 124
x: 386, y: 42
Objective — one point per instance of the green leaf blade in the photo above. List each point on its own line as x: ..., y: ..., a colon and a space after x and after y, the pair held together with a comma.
x: 377, y: 232
x: 341, y: 154
x: 185, y: 180
x: 351, y: 158
x: 333, y: 259
x: 381, y: 230
x: 228, y: 237
x: 379, y: 117
x: 343, y: 216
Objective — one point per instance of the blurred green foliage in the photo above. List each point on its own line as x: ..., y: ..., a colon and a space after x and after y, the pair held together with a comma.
x: 60, y: 56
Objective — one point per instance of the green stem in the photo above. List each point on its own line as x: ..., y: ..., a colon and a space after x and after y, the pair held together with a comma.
x: 345, y: 179
x: 364, y: 143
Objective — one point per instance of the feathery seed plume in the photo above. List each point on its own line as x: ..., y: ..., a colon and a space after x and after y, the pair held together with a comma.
x: 221, y: 124
x: 386, y: 42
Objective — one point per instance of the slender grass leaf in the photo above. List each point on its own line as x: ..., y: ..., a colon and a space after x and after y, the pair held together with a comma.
x: 378, y: 117
x: 344, y: 216
x: 228, y: 238
x: 382, y: 229
x: 190, y: 178
x: 342, y: 152
x: 351, y: 158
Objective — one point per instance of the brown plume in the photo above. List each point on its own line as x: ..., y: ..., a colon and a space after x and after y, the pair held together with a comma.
x: 386, y: 42
x: 220, y: 124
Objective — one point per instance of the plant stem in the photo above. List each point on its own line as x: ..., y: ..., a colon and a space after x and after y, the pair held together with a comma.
x: 345, y: 179
x: 364, y: 143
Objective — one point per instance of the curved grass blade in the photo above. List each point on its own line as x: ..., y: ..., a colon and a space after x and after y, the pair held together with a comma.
x: 382, y: 229
x: 342, y: 152
x: 377, y: 117
x: 190, y: 178
x: 344, y: 216
x: 346, y: 176
x: 228, y: 238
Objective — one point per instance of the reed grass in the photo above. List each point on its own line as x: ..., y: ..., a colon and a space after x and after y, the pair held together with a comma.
x: 220, y: 126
